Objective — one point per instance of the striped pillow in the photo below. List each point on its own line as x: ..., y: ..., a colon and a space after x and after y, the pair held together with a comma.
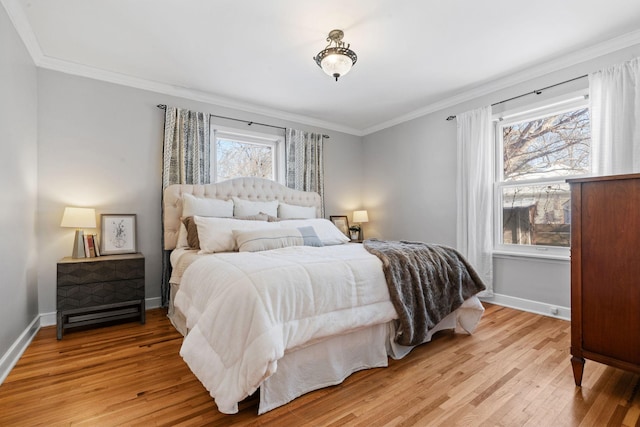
x: 267, y: 239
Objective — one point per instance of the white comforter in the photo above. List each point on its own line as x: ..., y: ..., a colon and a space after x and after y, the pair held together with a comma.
x: 244, y: 310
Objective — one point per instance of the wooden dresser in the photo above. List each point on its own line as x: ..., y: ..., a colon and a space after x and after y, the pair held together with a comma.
x: 605, y: 272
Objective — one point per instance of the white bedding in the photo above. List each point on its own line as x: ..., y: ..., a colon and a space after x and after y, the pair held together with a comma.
x: 290, y: 298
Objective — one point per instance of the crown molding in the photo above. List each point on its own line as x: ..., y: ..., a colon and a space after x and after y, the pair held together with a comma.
x: 183, y: 92
x: 565, y: 61
x: 21, y: 23
x: 19, y: 20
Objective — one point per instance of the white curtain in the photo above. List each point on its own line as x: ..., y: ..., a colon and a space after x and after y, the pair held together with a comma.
x: 614, y: 94
x: 305, y: 163
x: 474, y: 192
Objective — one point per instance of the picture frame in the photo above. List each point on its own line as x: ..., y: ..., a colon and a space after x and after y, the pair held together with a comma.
x: 118, y: 234
x: 342, y: 222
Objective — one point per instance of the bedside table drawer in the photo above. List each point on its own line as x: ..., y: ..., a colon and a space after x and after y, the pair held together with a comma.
x: 85, y: 272
x: 94, y: 294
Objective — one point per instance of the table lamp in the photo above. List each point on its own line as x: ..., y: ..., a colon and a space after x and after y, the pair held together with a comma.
x: 358, y: 218
x: 79, y: 218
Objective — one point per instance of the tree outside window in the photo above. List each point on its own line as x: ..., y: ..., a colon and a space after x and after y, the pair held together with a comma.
x: 246, y: 154
x: 538, y: 153
x: 235, y: 158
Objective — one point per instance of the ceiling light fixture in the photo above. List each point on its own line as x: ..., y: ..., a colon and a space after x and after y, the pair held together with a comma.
x: 338, y: 59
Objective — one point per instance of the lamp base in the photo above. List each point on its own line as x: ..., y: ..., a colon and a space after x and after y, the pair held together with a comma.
x: 78, y: 245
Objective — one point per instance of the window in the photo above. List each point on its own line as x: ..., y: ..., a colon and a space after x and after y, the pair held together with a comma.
x: 537, y: 151
x: 236, y: 153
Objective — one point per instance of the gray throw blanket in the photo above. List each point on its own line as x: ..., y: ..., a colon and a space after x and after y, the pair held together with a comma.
x: 426, y: 283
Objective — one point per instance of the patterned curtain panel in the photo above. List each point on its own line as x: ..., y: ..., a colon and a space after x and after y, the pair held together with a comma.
x: 305, y: 165
x: 186, y: 160
x: 186, y: 154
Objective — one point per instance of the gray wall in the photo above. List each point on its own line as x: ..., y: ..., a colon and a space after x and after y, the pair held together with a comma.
x: 410, y: 187
x: 100, y: 145
x: 69, y: 140
x: 18, y: 186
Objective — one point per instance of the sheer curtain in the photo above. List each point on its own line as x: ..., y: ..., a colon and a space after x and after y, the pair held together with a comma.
x: 304, y: 162
x: 186, y: 160
x: 614, y: 95
x: 474, y: 191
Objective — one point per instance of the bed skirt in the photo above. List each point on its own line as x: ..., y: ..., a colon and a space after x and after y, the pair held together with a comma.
x: 330, y: 361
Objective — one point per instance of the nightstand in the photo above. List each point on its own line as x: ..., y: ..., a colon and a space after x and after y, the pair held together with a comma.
x: 101, y: 289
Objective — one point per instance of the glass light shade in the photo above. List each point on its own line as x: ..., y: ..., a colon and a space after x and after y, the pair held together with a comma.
x: 360, y: 216
x: 336, y: 64
x: 79, y: 218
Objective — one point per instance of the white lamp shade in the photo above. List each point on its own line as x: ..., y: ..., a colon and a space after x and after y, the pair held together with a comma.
x: 79, y: 218
x: 336, y: 64
x: 360, y: 216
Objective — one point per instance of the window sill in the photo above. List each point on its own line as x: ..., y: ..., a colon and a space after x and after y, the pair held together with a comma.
x: 537, y: 256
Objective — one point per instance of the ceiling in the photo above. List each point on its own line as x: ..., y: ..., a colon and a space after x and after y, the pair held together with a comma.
x: 414, y: 56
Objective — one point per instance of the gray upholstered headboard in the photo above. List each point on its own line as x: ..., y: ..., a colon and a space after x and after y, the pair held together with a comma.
x: 256, y: 189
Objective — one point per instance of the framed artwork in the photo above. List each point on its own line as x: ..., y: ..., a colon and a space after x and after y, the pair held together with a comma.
x: 118, y: 234
x: 341, y: 222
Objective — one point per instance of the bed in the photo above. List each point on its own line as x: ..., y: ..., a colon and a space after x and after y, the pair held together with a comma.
x: 275, y: 299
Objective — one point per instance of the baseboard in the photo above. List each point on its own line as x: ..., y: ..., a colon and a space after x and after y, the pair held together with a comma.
x: 153, y: 303
x: 11, y: 357
x: 537, y: 307
x: 48, y: 319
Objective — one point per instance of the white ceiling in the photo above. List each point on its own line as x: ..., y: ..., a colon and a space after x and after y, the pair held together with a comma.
x: 414, y: 56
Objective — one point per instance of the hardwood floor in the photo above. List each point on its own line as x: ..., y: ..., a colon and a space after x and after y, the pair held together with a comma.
x: 513, y: 371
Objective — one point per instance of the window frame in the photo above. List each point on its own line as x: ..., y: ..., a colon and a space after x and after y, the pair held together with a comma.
x: 276, y: 142
x: 558, y: 105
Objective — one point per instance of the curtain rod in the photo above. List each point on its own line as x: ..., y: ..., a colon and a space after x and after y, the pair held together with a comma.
x: 535, y: 92
x: 248, y: 122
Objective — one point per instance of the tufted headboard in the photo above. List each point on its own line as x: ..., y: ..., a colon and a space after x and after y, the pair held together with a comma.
x: 255, y: 189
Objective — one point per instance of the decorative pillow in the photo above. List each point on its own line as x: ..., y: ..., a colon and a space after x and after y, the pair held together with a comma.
x: 276, y: 238
x: 272, y: 218
x: 310, y: 237
x: 286, y: 211
x: 242, y: 207
x: 327, y: 232
x: 192, y: 232
x: 258, y: 217
x: 201, y: 206
x: 216, y: 234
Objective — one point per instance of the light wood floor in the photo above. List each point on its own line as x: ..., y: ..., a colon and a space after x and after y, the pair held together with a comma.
x: 514, y: 371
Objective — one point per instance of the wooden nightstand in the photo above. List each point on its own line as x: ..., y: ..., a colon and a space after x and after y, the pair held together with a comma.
x: 101, y: 289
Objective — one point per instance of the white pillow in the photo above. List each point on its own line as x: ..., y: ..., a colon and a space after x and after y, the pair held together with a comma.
x: 242, y: 207
x: 216, y: 234
x: 201, y: 206
x: 327, y: 232
x: 286, y: 211
x: 192, y: 205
